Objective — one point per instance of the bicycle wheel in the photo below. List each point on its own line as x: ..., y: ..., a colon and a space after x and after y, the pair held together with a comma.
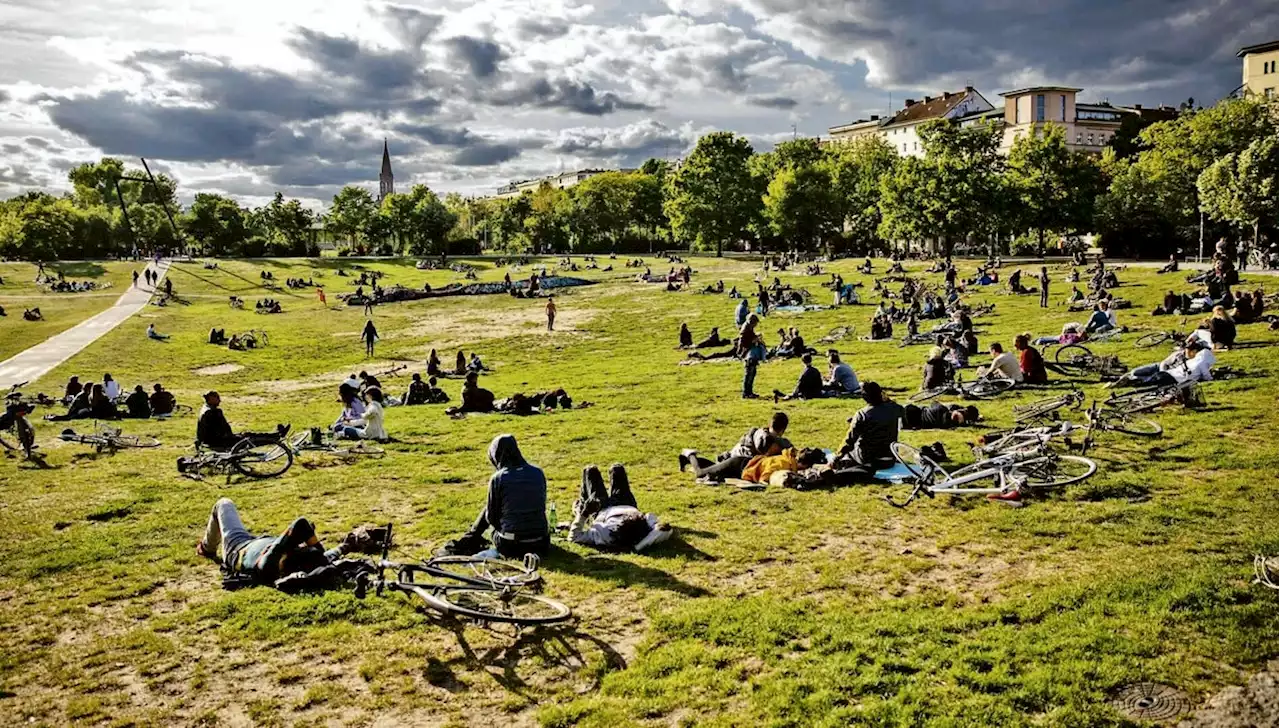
x: 120, y: 442
x: 260, y: 461
x: 1146, y: 341
x: 182, y: 409
x: 495, y: 605
x: 1140, y: 426
x: 1141, y: 401
x: 358, y: 449
x: 1055, y: 471
x: 928, y: 394
x: 493, y: 573
x: 920, y: 467
x: 1072, y: 355
x: 986, y: 388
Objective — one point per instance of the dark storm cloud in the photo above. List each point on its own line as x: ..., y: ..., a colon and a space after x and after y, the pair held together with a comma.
x: 485, y: 155
x: 439, y: 135
x: 626, y: 146
x: 18, y: 176
x: 378, y: 71
x: 412, y: 27
x: 11, y: 148
x: 479, y: 55
x: 773, y: 102
x: 542, y: 29
x: 38, y: 142
x: 564, y: 94
x: 1135, y: 45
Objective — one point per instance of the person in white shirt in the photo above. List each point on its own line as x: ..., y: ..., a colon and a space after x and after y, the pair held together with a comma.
x: 1004, y: 365
x: 368, y: 426
x: 1182, y: 367
x: 153, y: 334
x: 611, y: 519
x: 840, y: 376
x: 110, y: 387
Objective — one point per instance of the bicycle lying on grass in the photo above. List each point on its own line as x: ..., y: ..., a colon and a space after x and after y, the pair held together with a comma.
x: 1075, y: 360
x: 1020, y: 470
x: 1156, y: 338
x: 1047, y: 409
x: 109, y: 439
x: 258, y: 459
x: 321, y: 441
x: 1100, y: 418
x: 483, y: 590
x: 1145, y: 399
x: 980, y: 388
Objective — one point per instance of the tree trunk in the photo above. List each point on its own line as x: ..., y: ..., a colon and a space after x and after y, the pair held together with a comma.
x: 1040, y: 233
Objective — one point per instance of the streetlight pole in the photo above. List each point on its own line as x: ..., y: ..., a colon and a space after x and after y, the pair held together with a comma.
x: 1200, y: 257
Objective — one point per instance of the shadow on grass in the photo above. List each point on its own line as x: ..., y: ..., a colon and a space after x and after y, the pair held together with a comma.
x: 559, y: 646
x: 82, y: 269
x: 609, y: 569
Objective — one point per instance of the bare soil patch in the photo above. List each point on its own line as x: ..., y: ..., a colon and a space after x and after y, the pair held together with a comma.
x: 217, y: 369
x: 445, y: 331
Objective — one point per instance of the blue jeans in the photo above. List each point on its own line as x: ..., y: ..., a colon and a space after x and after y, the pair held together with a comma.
x: 749, y: 376
x: 351, y: 433
x: 225, y: 529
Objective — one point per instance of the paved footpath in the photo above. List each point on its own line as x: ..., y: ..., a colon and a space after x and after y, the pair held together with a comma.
x: 41, y: 358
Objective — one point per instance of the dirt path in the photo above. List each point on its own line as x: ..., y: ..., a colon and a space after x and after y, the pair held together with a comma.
x: 35, y: 362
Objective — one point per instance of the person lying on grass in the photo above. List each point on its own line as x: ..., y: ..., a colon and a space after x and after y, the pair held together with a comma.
x: 713, y: 340
x: 515, y: 509
x: 938, y: 416
x: 369, y: 425
x: 214, y: 432
x: 292, y: 562
x: 757, y: 441
x: 1192, y: 363
x: 871, y: 431
x: 611, y: 519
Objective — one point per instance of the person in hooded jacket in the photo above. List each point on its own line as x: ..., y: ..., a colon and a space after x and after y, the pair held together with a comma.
x: 516, y: 508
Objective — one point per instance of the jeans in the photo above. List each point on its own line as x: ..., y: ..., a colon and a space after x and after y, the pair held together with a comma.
x: 1044, y: 297
x: 351, y: 433
x: 1150, y: 374
x: 1043, y: 340
x: 729, y: 466
x: 749, y: 376
x: 225, y: 529
x: 501, y: 546
x: 619, y: 493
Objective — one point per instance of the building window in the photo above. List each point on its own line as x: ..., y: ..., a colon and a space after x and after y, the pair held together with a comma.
x: 1039, y: 107
x: 1079, y: 137
x: 1017, y: 111
x: 1090, y: 139
x: 1270, y: 93
x: 1064, y: 106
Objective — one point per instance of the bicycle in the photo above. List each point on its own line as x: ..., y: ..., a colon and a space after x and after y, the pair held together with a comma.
x: 913, y: 339
x: 22, y: 428
x: 1076, y: 359
x: 1047, y: 409
x: 1021, y: 439
x: 1145, y: 399
x: 1038, y: 468
x: 1156, y: 338
x: 490, y: 590
x: 109, y: 439
x: 256, y: 459
x: 317, y: 440
x: 1110, y: 420
x: 981, y: 388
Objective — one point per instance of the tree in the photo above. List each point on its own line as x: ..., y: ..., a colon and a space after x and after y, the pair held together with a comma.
x: 1050, y: 186
x: 546, y: 226
x: 287, y: 226
x: 38, y: 226
x: 94, y: 184
x: 603, y: 207
x: 800, y: 205
x: 713, y: 198
x: 856, y: 169
x: 953, y: 191
x: 218, y: 223
x: 1241, y: 188
x: 349, y: 213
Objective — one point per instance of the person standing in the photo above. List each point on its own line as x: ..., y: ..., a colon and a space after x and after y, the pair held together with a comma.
x: 369, y: 335
x: 551, y: 313
x: 135, y: 279
x: 320, y: 293
x: 752, y: 351
x: 1044, y: 287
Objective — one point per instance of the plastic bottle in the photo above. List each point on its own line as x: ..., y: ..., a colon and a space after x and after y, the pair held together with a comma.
x: 553, y: 517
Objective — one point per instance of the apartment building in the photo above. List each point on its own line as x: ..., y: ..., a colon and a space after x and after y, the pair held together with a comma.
x: 1258, y: 68
x: 563, y: 180
x: 900, y: 129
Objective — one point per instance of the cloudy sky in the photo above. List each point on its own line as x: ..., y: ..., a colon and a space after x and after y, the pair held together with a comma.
x: 249, y: 97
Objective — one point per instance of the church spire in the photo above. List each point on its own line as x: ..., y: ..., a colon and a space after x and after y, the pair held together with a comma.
x: 386, y: 180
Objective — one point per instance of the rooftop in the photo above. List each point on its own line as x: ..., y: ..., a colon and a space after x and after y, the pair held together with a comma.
x: 931, y: 108
x: 1030, y: 89
x: 1259, y: 48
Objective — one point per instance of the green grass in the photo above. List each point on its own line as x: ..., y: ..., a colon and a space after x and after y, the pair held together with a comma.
x: 61, y: 311
x: 778, y: 608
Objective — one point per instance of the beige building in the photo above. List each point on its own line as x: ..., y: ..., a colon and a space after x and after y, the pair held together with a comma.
x: 563, y: 180
x: 1088, y: 126
x: 1258, y: 68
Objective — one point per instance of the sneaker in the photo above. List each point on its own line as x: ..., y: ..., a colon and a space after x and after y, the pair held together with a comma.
x: 704, y: 480
x: 751, y: 396
x: 1012, y: 498
x: 687, y: 457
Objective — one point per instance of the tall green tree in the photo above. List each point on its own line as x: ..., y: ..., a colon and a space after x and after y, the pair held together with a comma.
x: 1050, y: 186
x: 603, y: 207
x: 713, y: 198
x: 349, y: 213
x: 801, y: 206
x: 546, y: 226
x: 1240, y: 188
x: 856, y: 169
x: 219, y: 224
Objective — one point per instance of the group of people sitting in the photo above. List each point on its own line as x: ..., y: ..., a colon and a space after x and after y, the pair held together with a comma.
x: 841, y: 381
x: 268, y: 305
x: 61, y: 285
x: 297, y: 283
x: 462, y: 365
x: 477, y: 399
x: 236, y: 342
x: 98, y: 401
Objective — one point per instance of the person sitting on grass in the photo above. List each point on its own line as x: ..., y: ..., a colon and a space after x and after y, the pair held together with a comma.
x: 516, y: 508
x: 611, y: 519
x: 137, y: 404
x: 32, y: 314
x: 162, y: 401
x: 110, y: 387
x: 957, y: 352
x: 214, y: 432
x: 369, y: 426
x: 217, y: 336
x: 757, y: 441
x: 74, y: 387
x: 1004, y: 365
x: 938, y: 372
x: 352, y: 406
x: 686, y: 336
x: 840, y: 376
x: 938, y: 416
x: 155, y: 335
x: 418, y: 391
x: 792, y: 344
x: 474, y: 364
x: 474, y: 397
x: 809, y: 385
x: 1222, y: 329
x: 460, y: 364
x: 1030, y: 362
x: 78, y: 408
x: 713, y: 340
x: 1102, y: 319
x: 1171, y: 266
x: 881, y: 328
x: 871, y: 431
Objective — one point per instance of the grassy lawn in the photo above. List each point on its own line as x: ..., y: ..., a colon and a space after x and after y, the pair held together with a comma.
x: 61, y: 311
x: 778, y: 608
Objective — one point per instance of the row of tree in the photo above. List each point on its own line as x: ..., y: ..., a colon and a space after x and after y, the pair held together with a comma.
x: 1152, y: 190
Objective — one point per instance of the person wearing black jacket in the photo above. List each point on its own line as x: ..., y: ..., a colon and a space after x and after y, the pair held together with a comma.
x: 809, y: 386
x: 137, y: 403
x: 872, y: 430
x: 937, y: 416
x: 213, y: 431
x: 937, y: 370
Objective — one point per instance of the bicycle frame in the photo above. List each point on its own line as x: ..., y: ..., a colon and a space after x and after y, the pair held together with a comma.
x: 999, y: 467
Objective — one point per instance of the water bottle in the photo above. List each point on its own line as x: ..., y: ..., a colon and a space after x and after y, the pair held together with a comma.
x: 553, y: 517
